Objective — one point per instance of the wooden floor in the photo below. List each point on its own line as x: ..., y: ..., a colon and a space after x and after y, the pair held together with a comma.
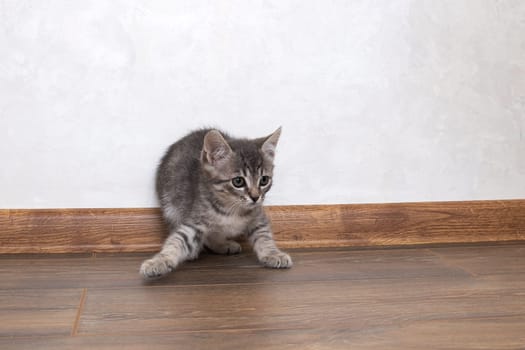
x: 461, y: 297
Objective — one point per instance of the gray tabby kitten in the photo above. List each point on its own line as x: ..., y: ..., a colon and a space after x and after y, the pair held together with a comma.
x: 211, y: 187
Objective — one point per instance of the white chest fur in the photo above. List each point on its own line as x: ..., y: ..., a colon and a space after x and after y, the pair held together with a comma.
x: 229, y: 226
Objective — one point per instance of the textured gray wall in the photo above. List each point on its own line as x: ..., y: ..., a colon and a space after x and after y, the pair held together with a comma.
x: 380, y: 101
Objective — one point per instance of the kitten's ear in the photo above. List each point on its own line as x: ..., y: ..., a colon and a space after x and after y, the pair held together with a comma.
x: 270, y: 143
x: 215, y: 148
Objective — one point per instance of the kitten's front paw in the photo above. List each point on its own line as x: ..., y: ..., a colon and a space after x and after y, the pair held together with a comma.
x: 155, y: 267
x: 277, y: 260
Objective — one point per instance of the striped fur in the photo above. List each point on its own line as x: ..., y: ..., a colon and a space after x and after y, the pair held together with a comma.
x: 198, y: 188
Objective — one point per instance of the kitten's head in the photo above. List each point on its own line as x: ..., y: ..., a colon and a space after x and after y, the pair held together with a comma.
x: 239, y: 171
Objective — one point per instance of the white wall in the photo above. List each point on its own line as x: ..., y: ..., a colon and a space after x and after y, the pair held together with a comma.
x: 380, y: 101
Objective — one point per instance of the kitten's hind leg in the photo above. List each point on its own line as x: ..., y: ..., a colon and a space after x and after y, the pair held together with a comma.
x: 183, y: 243
x: 222, y: 245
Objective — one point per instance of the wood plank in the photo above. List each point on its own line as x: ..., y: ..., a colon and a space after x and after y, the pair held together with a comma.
x: 410, y: 298
x: 494, y: 333
x: 32, y: 312
x: 400, y: 223
x: 489, y: 333
x: 352, y: 225
x: 353, y: 306
x: 485, y: 260
x: 246, y: 339
x: 324, y: 264
x: 80, y: 230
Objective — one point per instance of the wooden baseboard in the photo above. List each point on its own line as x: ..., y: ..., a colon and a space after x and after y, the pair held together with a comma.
x: 352, y: 225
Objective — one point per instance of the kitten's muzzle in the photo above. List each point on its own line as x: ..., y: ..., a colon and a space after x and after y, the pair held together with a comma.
x: 254, y: 198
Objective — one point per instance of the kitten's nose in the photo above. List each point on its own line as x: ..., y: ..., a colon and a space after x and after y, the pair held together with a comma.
x: 254, y: 198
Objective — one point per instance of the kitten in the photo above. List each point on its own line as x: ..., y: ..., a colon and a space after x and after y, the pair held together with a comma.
x: 211, y: 187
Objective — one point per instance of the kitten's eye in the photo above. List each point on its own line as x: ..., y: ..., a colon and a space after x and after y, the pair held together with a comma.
x: 238, y: 182
x: 264, y: 180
